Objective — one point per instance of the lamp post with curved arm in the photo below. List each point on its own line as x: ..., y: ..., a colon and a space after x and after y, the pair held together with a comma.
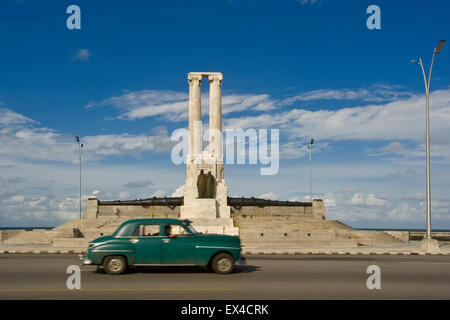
x: 309, y: 147
x: 437, y: 50
x: 80, y: 146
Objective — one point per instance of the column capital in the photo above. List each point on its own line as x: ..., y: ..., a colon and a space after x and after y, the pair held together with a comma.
x: 216, y: 77
x: 194, y: 77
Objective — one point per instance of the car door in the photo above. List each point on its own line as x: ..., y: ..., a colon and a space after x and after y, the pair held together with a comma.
x: 147, y: 245
x: 180, y: 248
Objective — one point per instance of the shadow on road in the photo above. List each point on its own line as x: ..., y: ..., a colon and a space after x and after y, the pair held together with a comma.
x: 175, y: 269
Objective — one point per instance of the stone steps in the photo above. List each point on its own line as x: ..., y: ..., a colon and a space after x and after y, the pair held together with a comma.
x: 34, y: 237
x: 266, y: 232
x: 74, y: 242
x: 277, y: 230
x: 285, y: 243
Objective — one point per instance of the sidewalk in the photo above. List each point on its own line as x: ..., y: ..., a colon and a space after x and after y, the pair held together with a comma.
x: 411, y: 248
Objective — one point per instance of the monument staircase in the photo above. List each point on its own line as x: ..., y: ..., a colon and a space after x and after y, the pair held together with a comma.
x: 259, y: 231
x: 295, y: 231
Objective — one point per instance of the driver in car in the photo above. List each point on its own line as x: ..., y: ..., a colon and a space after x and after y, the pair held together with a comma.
x: 168, y: 231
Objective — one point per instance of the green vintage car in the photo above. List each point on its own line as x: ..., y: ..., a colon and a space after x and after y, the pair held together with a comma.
x: 163, y: 242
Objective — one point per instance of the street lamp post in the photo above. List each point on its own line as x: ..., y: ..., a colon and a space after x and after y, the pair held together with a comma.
x: 309, y: 147
x: 80, y: 146
x: 437, y: 50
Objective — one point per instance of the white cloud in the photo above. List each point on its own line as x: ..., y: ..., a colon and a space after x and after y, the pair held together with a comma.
x: 139, y: 184
x: 82, y: 55
x: 399, y: 120
x: 125, y: 196
x: 394, y: 147
x: 419, y: 196
x: 330, y: 200
x: 178, y: 192
x: 22, y: 140
x: 269, y: 196
x: 369, y: 200
x: 28, y: 210
x: 375, y: 93
x: 10, y: 118
x: 308, y: 1
x: 159, y: 193
x: 174, y: 106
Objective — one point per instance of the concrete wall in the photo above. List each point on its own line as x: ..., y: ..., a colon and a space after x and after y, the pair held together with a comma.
x: 94, y: 209
x: 138, y: 211
x: 316, y: 211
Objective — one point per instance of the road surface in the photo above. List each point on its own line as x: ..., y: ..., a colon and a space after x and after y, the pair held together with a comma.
x: 293, y: 277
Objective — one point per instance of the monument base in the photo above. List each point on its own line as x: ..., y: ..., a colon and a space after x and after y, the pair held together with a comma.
x: 207, y: 217
x: 430, y: 246
x: 200, y: 208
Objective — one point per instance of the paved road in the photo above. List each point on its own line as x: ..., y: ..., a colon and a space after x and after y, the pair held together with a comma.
x: 27, y: 276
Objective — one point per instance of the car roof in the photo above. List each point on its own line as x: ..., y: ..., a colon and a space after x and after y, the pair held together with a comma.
x: 154, y: 220
x: 127, y: 226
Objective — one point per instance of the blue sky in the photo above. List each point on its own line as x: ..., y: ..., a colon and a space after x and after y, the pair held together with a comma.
x: 307, y: 68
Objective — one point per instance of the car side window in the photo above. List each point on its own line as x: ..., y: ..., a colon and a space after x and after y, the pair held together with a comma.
x: 147, y: 230
x: 178, y: 230
x: 151, y: 230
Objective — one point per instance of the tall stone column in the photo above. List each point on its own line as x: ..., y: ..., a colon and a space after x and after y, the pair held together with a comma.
x: 215, y: 115
x: 195, y: 115
x: 212, y: 215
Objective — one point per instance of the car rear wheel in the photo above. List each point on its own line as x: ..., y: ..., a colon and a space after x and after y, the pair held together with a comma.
x: 223, y: 263
x: 115, y: 264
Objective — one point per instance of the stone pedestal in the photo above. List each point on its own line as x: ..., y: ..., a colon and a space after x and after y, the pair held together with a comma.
x: 192, y: 203
x: 91, y: 210
x: 200, y: 208
x: 318, y: 210
x: 430, y: 246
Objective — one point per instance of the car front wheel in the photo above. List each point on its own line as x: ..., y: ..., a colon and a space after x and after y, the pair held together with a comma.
x: 223, y: 263
x: 115, y: 264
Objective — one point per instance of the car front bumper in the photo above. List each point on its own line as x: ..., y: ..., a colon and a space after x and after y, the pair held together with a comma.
x: 242, y: 261
x: 85, y: 260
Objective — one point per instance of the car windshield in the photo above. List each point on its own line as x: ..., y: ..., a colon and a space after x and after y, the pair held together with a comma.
x: 191, y: 229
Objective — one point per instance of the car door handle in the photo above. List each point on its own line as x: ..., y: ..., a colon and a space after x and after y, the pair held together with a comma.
x: 165, y: 240
x: 134, y: 240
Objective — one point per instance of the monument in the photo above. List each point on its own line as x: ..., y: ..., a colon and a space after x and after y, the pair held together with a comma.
x: 205, y: 190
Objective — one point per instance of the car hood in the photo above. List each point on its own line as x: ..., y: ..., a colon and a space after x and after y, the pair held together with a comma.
x: 218, y: 239
x: 102, y: 239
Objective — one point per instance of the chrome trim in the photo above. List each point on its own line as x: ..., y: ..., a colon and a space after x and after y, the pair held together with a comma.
x: 112, y: 250
x: 163, y: 265
x: 95, y: 244
x: 211, y: 247
x: 84, y: 260
x: 140, y: 237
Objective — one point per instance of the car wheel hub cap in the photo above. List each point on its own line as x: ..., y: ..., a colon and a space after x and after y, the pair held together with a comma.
x: 115, y: 265
x: 224, y: 265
